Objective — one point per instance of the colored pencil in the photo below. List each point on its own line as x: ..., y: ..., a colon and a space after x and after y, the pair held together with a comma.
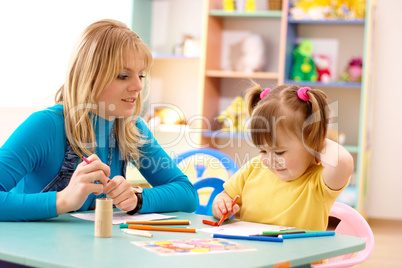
x: 258, y: 238
x: 283, y: 232
x: 160, y: 228
x: 276, y: 235
x: 213, y: 223
x: 227, y: 213
x: 289, y: 236
x: 167, y: 222
x: 137, y: 232
x: 86, y: 160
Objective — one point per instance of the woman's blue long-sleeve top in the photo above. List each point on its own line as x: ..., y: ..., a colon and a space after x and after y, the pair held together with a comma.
x: 33, y: 155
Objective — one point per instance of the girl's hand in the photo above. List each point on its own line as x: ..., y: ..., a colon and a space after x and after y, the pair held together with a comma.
x: 82, y: 184
x: 222, y: 204
x: 123, y: 195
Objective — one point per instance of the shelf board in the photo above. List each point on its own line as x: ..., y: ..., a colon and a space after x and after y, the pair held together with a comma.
x: 327, y: 21
x: 351, y: 148
x: 230, y: 74
x: 168, y: 56
x: 254, y: 14
x: 223, y: 134
x: 321, y: 85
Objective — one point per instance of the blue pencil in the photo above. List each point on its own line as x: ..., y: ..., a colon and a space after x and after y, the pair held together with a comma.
x: 258, y: 238
x: 315, y: 234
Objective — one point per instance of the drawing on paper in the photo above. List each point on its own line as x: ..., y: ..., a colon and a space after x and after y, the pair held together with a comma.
x: 191, y: 246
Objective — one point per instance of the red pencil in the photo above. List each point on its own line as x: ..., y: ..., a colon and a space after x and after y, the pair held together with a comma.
x: 86, y: 160
x: 227, y: 213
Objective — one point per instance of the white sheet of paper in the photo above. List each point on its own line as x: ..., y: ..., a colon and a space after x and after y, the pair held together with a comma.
x: 242, y: 228
x: 121, y: 217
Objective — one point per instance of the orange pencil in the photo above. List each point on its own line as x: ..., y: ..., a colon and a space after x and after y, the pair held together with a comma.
x: 159, y: 228
x: 167, y: 222
x: 227, y: 213
x: 213, y: 223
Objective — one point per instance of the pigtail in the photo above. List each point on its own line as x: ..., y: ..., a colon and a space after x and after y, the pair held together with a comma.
x: 316, y: 124
x: 252, y: 97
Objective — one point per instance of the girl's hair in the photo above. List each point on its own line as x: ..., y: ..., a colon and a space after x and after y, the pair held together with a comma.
x: 98, y: 57
x: 282, y: 109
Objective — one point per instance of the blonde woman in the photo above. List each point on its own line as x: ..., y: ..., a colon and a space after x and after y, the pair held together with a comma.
x: 96, y: 118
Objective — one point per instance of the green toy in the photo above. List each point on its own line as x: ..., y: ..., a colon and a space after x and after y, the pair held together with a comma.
x: 303, y: 68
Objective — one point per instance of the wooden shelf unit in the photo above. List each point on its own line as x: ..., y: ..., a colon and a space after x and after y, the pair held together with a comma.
x: 215, y: 79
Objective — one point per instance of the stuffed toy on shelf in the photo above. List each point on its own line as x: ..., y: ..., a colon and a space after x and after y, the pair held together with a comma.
x: 228, y: 5
x: 303, y: 68
x: 328, y: 9
x: 354, y: 70
x: 234, y: 117
x: 248, y: 55
x: 167, y: 116
x: 323, y: 63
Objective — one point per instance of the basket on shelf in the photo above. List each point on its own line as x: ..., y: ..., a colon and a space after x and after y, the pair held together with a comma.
x: 275, y: 4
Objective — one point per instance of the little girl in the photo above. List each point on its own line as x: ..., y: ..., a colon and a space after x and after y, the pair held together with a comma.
x: 299, y: 173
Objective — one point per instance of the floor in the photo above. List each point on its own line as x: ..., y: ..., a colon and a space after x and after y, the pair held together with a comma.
x: 388, y: 245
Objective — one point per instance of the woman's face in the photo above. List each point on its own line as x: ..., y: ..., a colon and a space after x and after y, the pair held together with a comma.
x: 119, y: 98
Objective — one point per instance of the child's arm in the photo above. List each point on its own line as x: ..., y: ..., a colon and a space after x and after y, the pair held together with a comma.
x: 337, y: 163
x: 223, y: 203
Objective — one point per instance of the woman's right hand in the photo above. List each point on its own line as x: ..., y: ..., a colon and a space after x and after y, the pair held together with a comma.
x: 82, y: 184
x: 222, y: 204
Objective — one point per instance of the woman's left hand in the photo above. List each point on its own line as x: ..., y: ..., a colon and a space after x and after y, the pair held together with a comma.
x: 123, y: 195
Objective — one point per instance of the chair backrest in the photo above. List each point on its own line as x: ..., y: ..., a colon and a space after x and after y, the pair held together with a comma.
x: 217, y: 185
x: 353, y: 224
x: 203, y: 158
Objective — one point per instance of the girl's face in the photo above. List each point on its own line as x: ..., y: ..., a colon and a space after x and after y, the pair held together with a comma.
x: 119, y: 98
x: 288, y: 159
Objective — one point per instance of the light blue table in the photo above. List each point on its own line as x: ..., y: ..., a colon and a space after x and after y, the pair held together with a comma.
x: 66, y: 241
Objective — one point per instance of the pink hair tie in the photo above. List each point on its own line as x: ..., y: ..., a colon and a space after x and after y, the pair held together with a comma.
x: 302, y: 93
x: 265, y: 93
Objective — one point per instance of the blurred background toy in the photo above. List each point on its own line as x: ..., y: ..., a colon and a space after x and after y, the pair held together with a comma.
x: 234, y: 117
x: 275, y: 4
x: 325, y: 9
x: 354, y: 70
x: 250, y: 5
x: 189, y: 47
x: 322, y: 63
x: 167, y: 116
x: 228, y: 5
x: 303, y: 68
x: 249, y: 55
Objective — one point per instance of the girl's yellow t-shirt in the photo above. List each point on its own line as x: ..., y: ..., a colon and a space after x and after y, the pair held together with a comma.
x: 304, y: 203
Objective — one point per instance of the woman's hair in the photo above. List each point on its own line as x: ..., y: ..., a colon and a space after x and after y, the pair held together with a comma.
x: 98, y: 57
x: 282, y: 109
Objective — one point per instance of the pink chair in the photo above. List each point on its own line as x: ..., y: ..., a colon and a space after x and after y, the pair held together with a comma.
x: 353, y: 224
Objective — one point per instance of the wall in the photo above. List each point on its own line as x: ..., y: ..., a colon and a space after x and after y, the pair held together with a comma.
x: 385, y: 189
x: 36, y: 40
x: 170, y: 23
